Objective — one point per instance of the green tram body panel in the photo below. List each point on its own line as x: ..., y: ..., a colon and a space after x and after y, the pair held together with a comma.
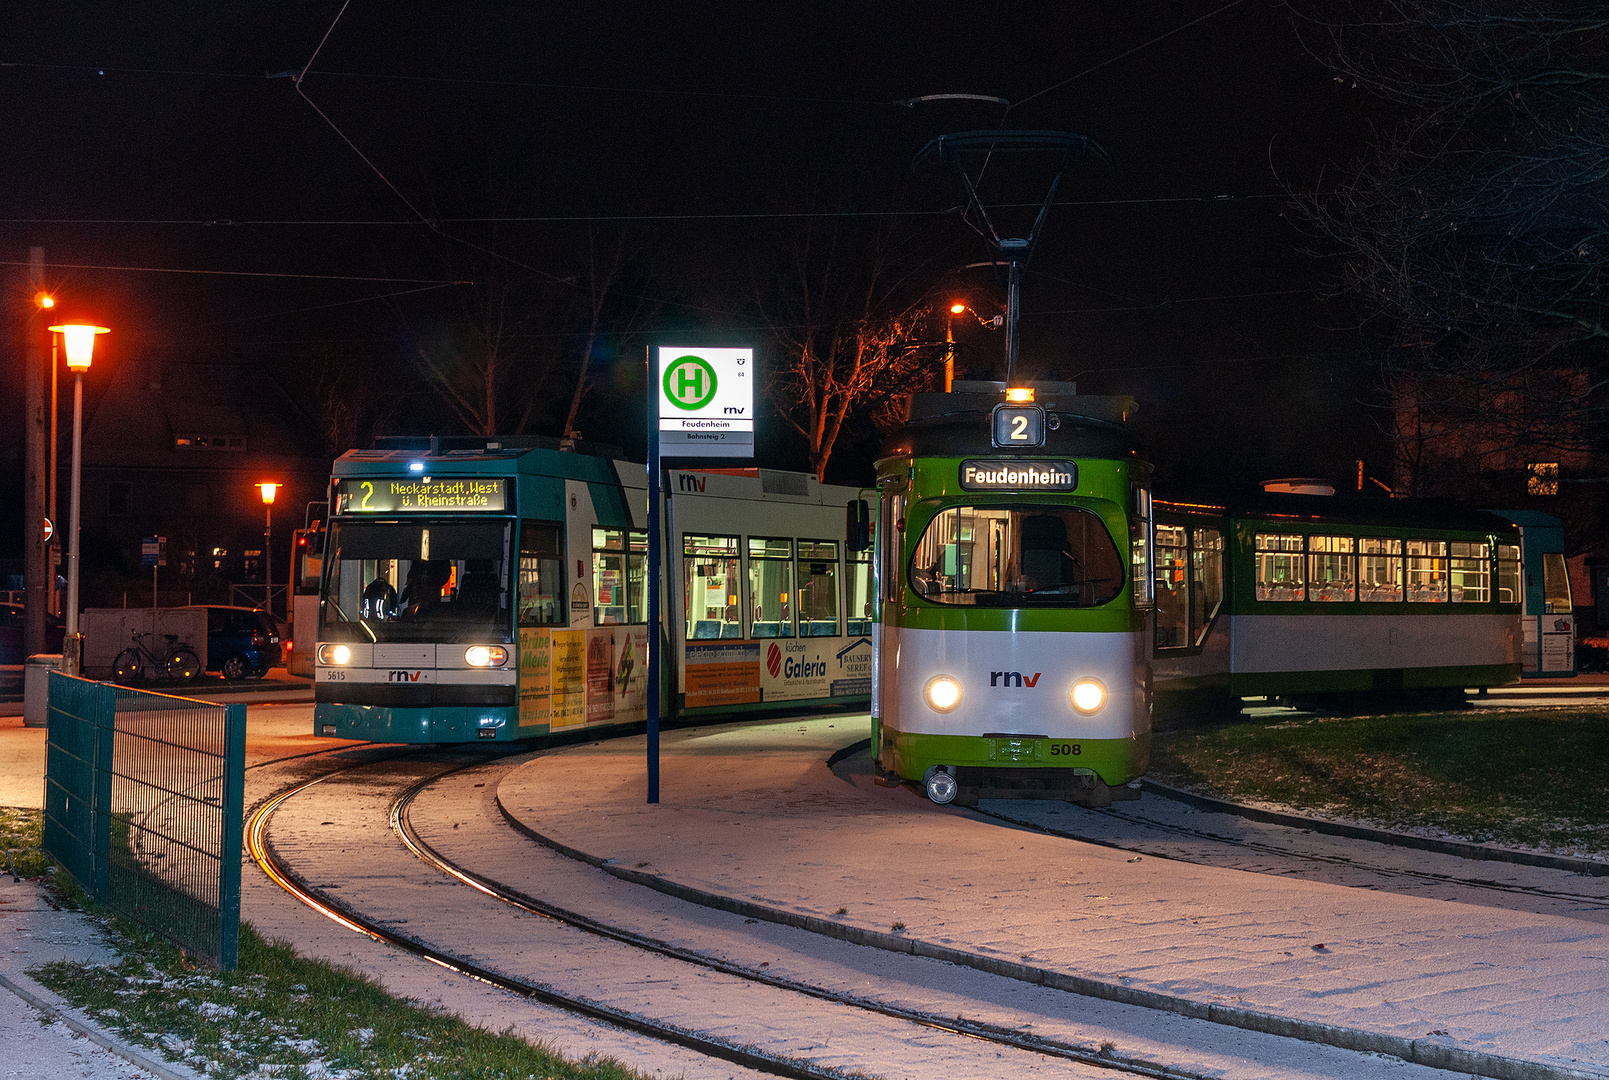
x: 1015, y: 659
x: 1229, y: 642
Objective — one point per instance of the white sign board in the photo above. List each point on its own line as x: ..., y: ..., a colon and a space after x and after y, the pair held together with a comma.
x: 706, y: 402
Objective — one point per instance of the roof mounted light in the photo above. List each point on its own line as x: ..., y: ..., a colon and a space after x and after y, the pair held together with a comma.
x: 416, y: 466
x: 1020, y: 395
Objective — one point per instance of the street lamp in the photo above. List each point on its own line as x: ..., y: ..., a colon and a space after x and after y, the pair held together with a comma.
x: 268, y: 489
x: 79, y: 341
x: 958, y: 307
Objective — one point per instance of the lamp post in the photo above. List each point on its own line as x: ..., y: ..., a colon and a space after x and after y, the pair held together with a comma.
x: 268, y: 489
x: 79, y: 340
x: 957, y: 307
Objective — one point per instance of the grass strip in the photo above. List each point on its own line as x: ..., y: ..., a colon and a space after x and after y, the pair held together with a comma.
x: 1537, y: 778
x: 282, y: 1015
x: 21, y: 837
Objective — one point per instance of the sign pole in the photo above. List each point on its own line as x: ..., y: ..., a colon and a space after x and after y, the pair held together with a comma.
x: 654, y: 539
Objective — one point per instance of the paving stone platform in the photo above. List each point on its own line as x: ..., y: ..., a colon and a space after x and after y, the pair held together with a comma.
x: 752, y: 815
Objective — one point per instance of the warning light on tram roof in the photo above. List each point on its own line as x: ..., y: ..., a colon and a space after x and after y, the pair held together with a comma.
x: 1020, y: 394
x: 416, y: 466
x: 268, y: 490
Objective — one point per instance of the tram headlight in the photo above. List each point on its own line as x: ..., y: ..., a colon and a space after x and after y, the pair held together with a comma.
x: 943, y: 693
x: 1088, y: 695
x: 485, y: 655
x: 334, y: 655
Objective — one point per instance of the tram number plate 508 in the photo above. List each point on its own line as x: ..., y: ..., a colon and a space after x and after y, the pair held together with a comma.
x: 1065, y: 749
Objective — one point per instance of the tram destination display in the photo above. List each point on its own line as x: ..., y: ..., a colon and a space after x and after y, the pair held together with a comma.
x: 419, y: 495
x: 1019, y: 475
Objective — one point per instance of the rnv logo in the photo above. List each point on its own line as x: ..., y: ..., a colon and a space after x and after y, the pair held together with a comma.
x: 1013, y: 678
x: 404, y: 676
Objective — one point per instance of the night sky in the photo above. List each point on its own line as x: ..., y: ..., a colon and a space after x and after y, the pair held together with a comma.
x: 147, y: 136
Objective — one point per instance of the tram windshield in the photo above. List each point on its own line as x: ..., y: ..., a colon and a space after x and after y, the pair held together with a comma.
x: 1018, y: 556
x: 416, y: 581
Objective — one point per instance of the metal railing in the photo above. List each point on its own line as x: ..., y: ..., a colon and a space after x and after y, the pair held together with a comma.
x: 144, y: 795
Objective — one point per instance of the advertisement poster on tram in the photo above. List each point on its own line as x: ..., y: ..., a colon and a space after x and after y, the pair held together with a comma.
x: 851, y: 669
x: 600, y: 676
x: 721, y: 673
x: 535, y: 675
x: 569, y: 667
x: 625, y: 680
x: 797, y: 668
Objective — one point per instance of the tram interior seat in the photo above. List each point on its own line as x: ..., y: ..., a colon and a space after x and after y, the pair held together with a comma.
x: 766, y: 629
x: 859, y: 627
x: 706, y: 629
x: 820, y: 628
x: 731, y: 630
x: 611, y: 614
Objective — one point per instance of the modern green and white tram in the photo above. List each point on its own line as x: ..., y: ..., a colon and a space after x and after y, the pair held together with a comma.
x: 1314, y: 596
x: 1013, y: 580
x: 480, y: 589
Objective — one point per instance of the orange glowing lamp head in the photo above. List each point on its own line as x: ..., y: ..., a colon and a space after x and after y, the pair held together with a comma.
x: 45, y: 300
x: 957, y: 307
x: 80, y: 340
x: 268, y: 491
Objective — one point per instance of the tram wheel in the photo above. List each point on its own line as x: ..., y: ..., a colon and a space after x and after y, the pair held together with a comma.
x: 941, y: 786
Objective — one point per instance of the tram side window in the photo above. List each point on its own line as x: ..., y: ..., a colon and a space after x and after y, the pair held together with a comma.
x: 1379, y: 570
x: 710, y: 587
x: 1508, y: 574
x: 891, y: 534
x: 818, y: 588
x: 619, y: 575
x: 1279, y: 566
x: 1471, y: 572
x: 541, y: 582
x: 1207, y: 568
x: 1555, y: 585
x: 1172, y: 587
x: 1329, y: 569
x: 771, y: 586
x: 1427, y: 571
x: 858, y: 601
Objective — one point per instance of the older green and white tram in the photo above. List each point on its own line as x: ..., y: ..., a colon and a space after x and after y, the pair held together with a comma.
x: 1012, y: 651
x: 1298, y: 594
x: 480, y: 589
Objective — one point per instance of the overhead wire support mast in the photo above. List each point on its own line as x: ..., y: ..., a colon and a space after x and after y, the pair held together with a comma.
x: 954, y: 150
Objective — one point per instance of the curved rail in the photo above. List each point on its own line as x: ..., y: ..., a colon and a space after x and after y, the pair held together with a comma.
x: 262, y: 853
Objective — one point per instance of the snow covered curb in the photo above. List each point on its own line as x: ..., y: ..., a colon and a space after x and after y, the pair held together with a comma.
x: 1426, y: 1052
x: 1462, y: 848
x: 54, y: 1007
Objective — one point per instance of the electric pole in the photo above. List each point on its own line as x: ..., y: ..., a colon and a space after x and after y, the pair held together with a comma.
x: 35, y: 550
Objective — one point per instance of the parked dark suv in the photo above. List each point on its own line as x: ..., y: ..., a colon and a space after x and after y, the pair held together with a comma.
x: 242, y: 642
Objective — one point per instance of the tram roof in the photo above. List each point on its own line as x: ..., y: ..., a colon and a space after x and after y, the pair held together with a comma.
x: 1334, y: 509
x: 957, y: 424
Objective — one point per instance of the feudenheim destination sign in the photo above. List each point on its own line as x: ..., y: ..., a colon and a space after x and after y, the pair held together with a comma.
x: 706, y: 402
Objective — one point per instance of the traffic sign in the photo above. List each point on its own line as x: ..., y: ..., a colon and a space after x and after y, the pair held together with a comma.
x: 50, y: 530
x: 706, y: 402
x: 153, y: 551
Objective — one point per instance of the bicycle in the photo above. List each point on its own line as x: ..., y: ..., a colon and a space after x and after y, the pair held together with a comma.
x: 179, y: 662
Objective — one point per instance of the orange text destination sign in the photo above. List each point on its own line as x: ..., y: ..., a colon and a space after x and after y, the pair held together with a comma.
x: 1019, y: 475
x: 385, y: 495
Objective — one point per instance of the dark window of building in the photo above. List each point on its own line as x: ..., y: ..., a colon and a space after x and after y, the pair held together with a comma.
x: 119, y: 498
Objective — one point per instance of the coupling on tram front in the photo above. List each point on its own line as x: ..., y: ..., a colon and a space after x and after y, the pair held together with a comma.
x: 1014, y: 577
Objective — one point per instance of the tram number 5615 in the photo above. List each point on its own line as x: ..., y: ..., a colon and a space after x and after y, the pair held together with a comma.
x: 1064, y: 749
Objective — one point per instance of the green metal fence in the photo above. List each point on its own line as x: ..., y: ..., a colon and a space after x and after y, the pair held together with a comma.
x: 144, y: 795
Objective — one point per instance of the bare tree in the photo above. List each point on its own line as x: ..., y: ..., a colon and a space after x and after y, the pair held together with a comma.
x: 608, y: 264
x: 1471, y: 231
x: 843, y: 312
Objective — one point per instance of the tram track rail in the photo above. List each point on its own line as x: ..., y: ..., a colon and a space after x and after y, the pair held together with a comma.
x: 276, y: 868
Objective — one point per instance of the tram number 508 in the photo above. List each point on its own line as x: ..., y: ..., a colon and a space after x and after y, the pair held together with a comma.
x: 1065, y: 749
